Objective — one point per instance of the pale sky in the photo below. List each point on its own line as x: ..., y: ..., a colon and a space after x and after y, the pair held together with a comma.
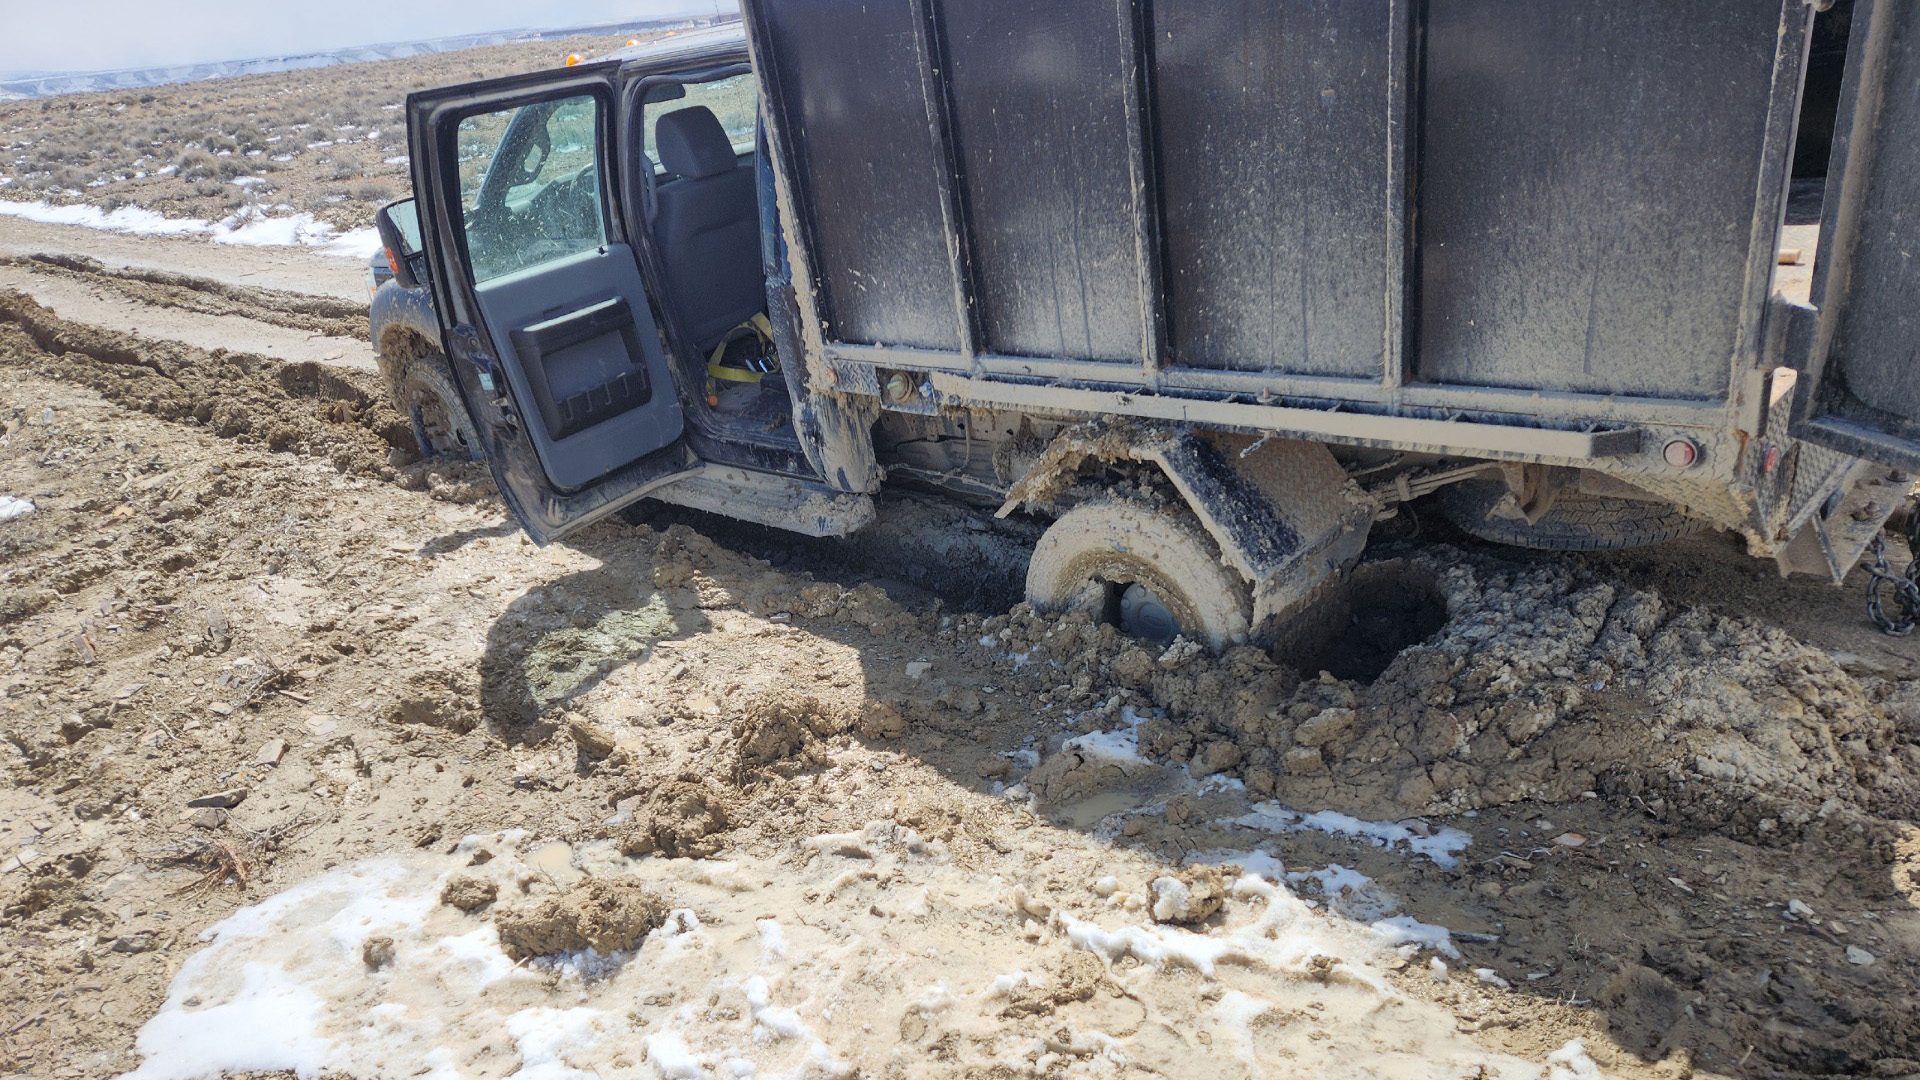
x: 95, y: 35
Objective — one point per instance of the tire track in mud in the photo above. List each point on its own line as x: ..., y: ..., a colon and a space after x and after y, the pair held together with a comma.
x: 306, y: 408
x: 323, y: 315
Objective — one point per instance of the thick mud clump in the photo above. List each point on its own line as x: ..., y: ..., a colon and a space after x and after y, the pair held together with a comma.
x: 302, y: 408
x: 1542, y: 684
x: 683, y: 818
x: 605, y: 916
x: 324, y: 315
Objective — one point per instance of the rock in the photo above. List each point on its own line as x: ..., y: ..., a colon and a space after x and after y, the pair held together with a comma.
x: 1799, y: 910
x: 225, y: 800
x: 993, y: 767
x: 1323, y: 727
x: 593, y: 740
x: 134, y: 943
x: 271, y: 752
x: 918, y: 669
x: 1570, y: 839
x: 1859, y: 956
x: 377, y: 952
x: 468, y: 893
x: 207, y: 817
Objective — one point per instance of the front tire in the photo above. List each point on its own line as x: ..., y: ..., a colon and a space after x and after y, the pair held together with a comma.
x: 1149, y: 569
x: 423, y: 390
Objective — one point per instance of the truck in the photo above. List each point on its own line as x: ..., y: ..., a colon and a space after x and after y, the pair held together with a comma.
x: 1209, y: 288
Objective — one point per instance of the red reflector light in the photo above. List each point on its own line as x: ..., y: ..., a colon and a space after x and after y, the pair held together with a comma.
x: 1681, y: 453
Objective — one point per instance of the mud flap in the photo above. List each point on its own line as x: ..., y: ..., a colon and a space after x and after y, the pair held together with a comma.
x: 1283, y: 511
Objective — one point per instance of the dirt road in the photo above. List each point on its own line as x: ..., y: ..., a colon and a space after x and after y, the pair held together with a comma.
x: 314, y: 765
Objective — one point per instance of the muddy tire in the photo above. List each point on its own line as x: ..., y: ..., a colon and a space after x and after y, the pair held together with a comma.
x: 424, y: 392
x: 1575, y: 522
x: 1124, y: 561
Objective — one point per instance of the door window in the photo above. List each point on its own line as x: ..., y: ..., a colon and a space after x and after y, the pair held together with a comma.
x: 530, y: 185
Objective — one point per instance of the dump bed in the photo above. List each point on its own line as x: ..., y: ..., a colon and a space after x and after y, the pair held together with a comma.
x: 1494, y: 226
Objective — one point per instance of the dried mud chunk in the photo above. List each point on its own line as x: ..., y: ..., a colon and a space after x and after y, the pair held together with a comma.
x: 1189, y: 897
x: 605, y: 916
x: 882, y: 720
x: 468, y: 893
x: 1076, y: 976
x: 1324, y: 727
x: 682, y: 819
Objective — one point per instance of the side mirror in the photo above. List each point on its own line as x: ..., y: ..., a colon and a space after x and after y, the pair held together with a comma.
x: 399, y: 227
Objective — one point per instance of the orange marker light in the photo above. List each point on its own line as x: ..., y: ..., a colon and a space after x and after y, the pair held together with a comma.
x: 573, y: 58
x: 632, y: 41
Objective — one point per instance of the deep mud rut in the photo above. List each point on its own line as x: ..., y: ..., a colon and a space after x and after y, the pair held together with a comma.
x: 639, y: 804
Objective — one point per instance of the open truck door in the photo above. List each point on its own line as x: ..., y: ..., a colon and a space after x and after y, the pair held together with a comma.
x: 545, y: 317
x: 1863, y: 359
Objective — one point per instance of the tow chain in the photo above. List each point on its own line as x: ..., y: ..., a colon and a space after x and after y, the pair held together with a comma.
x: 1905, y: 587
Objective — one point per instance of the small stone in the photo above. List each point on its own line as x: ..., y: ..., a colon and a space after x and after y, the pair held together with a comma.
x: 1859, y: 956
x: 918, y: 669
x: 1570, y: 839
x: 1799, y: 910
x: 220, y: 708
x: 207, y: 817
x: 225, y: 800
x: 377, y: 952
x: 271, y: 752
x: 993, y: 767
x: 133, y: 943
x: 1324, y: 727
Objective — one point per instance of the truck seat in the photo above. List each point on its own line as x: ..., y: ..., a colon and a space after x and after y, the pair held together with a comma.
x: 707, y: 225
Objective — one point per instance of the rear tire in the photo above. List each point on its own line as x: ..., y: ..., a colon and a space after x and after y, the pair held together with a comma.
x: 1093, y: 556
x: 1575, y: 522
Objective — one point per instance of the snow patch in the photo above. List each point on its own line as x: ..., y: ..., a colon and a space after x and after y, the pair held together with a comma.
x: 1441, y: 845
x: 250, y: 227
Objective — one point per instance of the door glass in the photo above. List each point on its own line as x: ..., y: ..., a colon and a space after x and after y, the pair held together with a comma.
x: 731, y: 99
x: 530, y: 185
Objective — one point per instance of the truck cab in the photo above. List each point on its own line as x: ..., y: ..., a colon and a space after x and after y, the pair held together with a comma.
x: 593, y: 247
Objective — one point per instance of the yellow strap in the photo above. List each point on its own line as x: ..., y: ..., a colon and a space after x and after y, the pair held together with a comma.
x: 762, y: 328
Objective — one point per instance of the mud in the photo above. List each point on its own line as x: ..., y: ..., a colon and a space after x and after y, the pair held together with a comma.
x: 321, y: 315
x: 605, y: 916
x: 1662, y: 825
x: 303, y: 408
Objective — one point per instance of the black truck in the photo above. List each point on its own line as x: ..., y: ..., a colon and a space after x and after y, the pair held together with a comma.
x: 1212, y: 287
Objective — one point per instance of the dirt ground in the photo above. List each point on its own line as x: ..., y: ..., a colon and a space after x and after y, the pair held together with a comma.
x: 314, y: 766
x: 327, y: 141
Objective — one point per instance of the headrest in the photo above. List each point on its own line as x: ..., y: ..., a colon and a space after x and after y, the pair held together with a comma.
x: 692, y: 143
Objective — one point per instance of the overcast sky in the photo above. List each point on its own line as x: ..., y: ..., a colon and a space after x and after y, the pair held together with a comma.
x: 95, y: 35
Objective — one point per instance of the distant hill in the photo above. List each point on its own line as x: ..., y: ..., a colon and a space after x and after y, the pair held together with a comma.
x: 33, y: 84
